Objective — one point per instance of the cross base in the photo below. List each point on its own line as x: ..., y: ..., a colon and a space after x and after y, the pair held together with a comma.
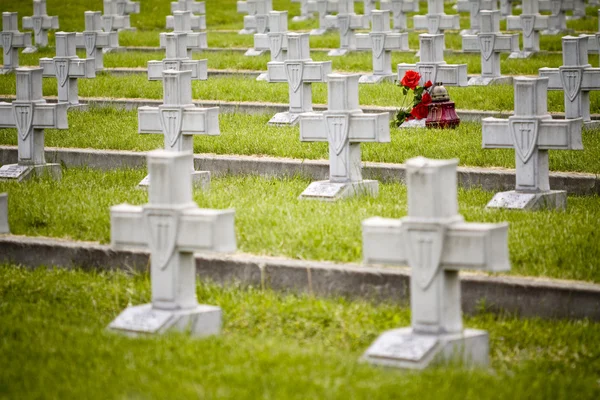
x: 468, y: 32
x: 254, y: 53
x: 200, y: 321
x: 333, y: 191
x: 521, y: 54
x: 589, y: 125
x: 552, y: 199
x: 301, y: 18
x: 485, y: 81
x: 555, y: 31
x: 285, y: 118
x: 23, y: 172
x: 263, y: 76
x: 318, y: 32
x: 338, y: 52
x: 247, y: 32
x: 377, y: 78
x: 200, y: 180
x: 29, y: 50
x: 414, y: 123
x: 402, y: 348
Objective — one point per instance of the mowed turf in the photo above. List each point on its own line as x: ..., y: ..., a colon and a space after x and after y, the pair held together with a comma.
x: 270, y: 220
x: 281, y: 346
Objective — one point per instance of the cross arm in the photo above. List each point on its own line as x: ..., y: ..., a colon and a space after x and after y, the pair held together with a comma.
x: 78, y: 68
x: 495, y: 134
x: 198, y: 22
x: 103, y: 39
x: 207, y: 230
x: 261, y: 41
x: 196, y: 121
x: 127, y: 227
x: 194, y: 41
x: 404, y: 6
x: 369, y: 128
x: 48, y: 22
x: 276, y: 71
x: 45, y: 115
x: 18, y: 39
x: 392, y: 41
x: 513, y: 22
x: 312, y: 127
x: 242, y: 7
x: 560, y: 134
x: 198, y: 68
x: 590, y: 78
x: 7, y: 117
x: 316, y: 71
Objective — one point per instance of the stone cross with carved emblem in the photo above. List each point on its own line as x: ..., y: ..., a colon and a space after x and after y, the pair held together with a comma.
x: 531, y: 131
x: 305, y: 13
x: 258, y: 14
x: 436, y: 243
x: 196, y: 7
x: 436, y: 21
x: 530, y: 22
x: 114, y: 17
x: 94, y: 40
x: 322, y: 8
x: 381, y: 41
x: 192, y: 22
x: 344, y: 126
x: 12, y: 41
x: 506, y: 7
x: 178, y: 120
x: 489, y: 42
x: 399, y: 9
x: 67, y: 68
x: 474, y: 7
x: 300, y: 72
x: 594, y: 39
x: 176, y: 45
x: 182, y: 23
x: 575, y: 77
x: 557, y: 23
x: 172, y: 228
x: 432, y: 66
x: 121, y: 7
x: 40, y: 23
x: 275, y: 40
x: 30, y: 114
x: 347, y: 22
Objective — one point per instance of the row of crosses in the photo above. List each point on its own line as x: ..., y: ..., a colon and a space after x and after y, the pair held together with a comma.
x: 116, y: 14
x: 257, y: 19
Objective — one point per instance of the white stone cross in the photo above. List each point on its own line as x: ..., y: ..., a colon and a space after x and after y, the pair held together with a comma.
x: 399, y: 9
x: 121, y: 7
x: 30, y: 114
x: 181, y: 22
x: 197, y: 7
x: 368, y: 6
x: 531, y: 131
x: 4, y: 228
x: 530, y: 22
x: 305, y: 14
x: 299, y: 72
x: 436, y: 21
x: 381, y: 41
x: 557, y: 22
x: 67, y: 68
x: 178, y: 120
x: 257, y: 19
x: 40, y: 23
x: 190, y: 22
x: 473, y: 7
x: 115, y: 18
x: 506, y: 7
x: 94, y: 40
x: 344, y: 126
x: 432, y: 66
x: 323, y: 8
x: 177, y: 58
x: 436, y: 243
x: 274, y: 40
x: 12, y: 41
x: 489, y: 42
x: 172, y: 228
x: 594, y: 40
x: 347, y: 22
x: 575, y: 77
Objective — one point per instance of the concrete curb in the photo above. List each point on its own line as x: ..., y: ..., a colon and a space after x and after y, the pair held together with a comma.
x: 525, y: 297
x: 491, y: 179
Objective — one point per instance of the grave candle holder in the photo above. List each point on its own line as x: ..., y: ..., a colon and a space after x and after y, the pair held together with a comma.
x: 442, y: 114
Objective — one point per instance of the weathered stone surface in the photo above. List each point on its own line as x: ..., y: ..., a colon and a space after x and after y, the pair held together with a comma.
x: 531, y: 23
x: 399, y: 9
x: 346, y: 22
x: 258, y: 13
x: 4, y: 228
x: 94, y: 40
x: 40, y: 23
x: 12, y: 41
x: 436, y: 21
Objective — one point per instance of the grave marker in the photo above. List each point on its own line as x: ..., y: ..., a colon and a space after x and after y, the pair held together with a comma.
x: 531, y: 131
x: 182, y: 23
x: 323, y: 8
x: 576, y: 78
x: 299, y: 71
x: 594, y: 40
x: 185, y: 21
x: 381, y: 41
x: 67, y: 68
x: 305, y: 14
x: 399, y: 9
x: 474, y: 7
x: 177, y: 58
x: 344, y: 126
x: 12, y: 41
x: 115, y: 18
x: 121, y: 7
x: 274, y: 40
x: 557, y: 23
x: 4, y: 228
x: 30, y: 114
x: 490, y: 43
x: 432, y: 66
x: 436, y: 243
x: 196, y: 7
x: 178, y: 120
x: 257, y: 19
x: 436, y: 21
x: 94, y: 40
x: 506, y: 7
x: 347, y: 22
x: 40, y: 23
x: 172, y: 228
x: 530, y: 22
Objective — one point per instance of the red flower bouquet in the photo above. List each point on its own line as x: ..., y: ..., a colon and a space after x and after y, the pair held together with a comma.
x: 421, y: 98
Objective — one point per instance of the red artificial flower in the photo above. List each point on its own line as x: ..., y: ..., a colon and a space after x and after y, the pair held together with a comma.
x: 420, y: 111
x: 426, y: 99
x: 428, y: 84
x: 411, y: 79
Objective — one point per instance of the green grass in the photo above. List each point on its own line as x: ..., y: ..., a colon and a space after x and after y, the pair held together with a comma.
x: 114, y: 129
x: 273, y: 345
x: 270, y: 220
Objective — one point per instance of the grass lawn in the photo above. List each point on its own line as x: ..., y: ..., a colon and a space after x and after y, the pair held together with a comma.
x: 270, y: 220
x: 273, y: 345
x: 114, y: 129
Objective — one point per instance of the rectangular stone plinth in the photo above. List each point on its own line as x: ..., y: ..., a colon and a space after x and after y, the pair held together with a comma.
x: 23, y: 172
x: 200, y: 180
x: 552, y: 199
x: 333, y: 191
x: 203, y: 320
